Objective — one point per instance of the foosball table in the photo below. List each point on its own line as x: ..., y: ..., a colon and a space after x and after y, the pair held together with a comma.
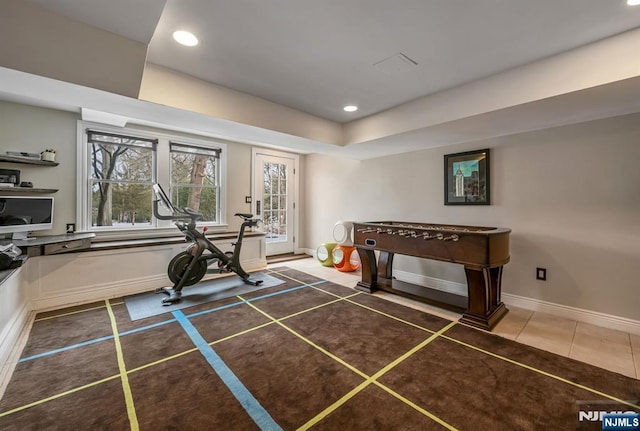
x: 482, y: 250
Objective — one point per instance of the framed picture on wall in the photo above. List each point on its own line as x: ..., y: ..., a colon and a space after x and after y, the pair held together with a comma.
x: 466, y: 178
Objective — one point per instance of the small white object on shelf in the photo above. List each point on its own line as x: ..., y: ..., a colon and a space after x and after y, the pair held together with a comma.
x: 48, y: 155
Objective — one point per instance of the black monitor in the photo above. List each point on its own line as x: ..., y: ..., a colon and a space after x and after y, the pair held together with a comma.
x: 20, y: 215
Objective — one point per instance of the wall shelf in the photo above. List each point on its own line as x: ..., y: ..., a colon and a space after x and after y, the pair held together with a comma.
x: 26, y: 161
x: 24, y: 190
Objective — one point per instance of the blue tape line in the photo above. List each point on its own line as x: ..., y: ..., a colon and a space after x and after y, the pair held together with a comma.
x: 64, y: 349
x: 144, y: 328
x: 259, y: 415
x: 93, y: 341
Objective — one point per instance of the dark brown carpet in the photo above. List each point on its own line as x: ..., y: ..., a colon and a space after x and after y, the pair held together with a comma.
x: 307, y: 354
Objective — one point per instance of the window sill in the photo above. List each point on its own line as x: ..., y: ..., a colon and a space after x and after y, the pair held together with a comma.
x: 111, y: 244
x: 150, y: 233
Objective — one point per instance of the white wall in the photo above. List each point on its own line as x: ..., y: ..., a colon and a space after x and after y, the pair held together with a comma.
x: 571, y: 195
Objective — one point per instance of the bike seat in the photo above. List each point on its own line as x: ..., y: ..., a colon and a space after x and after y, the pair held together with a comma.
x: 245, y: 216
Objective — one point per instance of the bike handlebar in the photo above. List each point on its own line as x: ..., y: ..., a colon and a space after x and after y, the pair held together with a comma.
x: 176, y: 214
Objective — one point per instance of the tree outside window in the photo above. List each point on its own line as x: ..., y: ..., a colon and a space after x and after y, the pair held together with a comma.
x: 121, y: 179
x: 123, y: 167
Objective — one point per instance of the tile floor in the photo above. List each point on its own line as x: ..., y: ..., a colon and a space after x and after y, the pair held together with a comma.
x: 606, y: 348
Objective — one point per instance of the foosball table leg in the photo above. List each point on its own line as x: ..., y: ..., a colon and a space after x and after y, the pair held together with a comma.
x: 369, y: 269
x: 485, y: 308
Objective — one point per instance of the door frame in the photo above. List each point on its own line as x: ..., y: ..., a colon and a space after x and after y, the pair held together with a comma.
x: 255, y: 151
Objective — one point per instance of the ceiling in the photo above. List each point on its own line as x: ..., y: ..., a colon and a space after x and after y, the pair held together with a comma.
x: 317, y: 56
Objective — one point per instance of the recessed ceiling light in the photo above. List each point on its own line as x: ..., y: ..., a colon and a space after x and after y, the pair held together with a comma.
x: 633, y: 2
x: 350, y: 108
x: 185, y: 38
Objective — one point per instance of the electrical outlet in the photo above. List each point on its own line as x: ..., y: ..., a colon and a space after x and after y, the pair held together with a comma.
x: 541, y: 274
x: 247, y: 199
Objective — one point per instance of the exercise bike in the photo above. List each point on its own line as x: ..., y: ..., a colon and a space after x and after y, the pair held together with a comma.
x: 190, y: 266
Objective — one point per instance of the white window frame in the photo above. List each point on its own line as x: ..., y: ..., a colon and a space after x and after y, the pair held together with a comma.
x: 162, y: 175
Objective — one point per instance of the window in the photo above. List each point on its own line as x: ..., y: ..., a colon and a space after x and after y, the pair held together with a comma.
x: 121, y: 165
x: 194, y: 179
x: 120, y: 180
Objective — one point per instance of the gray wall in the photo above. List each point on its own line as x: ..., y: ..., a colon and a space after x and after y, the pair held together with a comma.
x: 25, y: 128
x: 571, y: 195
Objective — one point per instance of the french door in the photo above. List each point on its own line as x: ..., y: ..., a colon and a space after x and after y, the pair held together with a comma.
x: 274, y: 198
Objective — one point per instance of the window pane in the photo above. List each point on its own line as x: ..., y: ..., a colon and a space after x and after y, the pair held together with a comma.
x: 194, y: 179
x: 282, y: 219
x: 193, y: 169
x: 121, y: 205
x: 201, y: 199
x: 267, y: 185
x: 121, y: 162
x: 270, y: 222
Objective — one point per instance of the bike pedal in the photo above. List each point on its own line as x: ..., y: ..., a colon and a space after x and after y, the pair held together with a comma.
x: 170, y: 301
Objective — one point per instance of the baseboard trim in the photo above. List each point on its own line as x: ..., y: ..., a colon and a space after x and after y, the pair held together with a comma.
x: 431, y: 282
x: 587, y: 316
x: 581, y: 315
x: 100, y: 292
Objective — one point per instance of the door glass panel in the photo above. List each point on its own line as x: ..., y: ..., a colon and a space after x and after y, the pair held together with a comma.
x: 275, y: 199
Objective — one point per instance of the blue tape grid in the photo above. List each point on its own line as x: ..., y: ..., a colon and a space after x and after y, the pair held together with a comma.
x: 253, y: 408
x: 165, y: 322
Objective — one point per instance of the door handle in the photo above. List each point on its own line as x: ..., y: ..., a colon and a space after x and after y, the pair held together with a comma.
x: 257, y: 207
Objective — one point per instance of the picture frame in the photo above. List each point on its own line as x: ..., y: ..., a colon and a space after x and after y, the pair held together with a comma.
x: 467, y: 179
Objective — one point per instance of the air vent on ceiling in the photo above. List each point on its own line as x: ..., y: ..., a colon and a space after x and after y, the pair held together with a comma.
x: 397, y: 63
